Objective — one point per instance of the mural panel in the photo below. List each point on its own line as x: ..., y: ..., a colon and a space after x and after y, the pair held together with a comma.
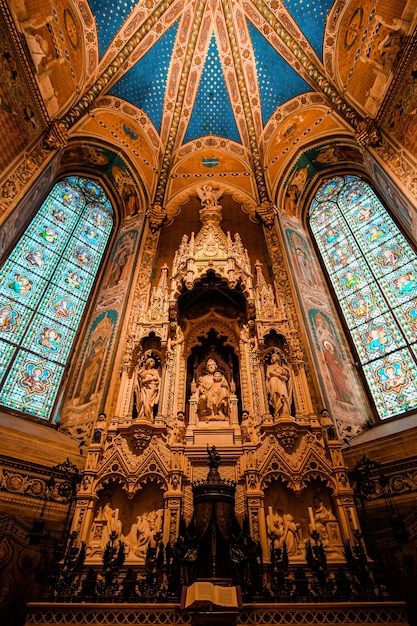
x: 341, y: 389
x: 56, y: 44
x: 370, y: 40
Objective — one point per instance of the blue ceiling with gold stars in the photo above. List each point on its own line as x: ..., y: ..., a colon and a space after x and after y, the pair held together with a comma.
x: 110, y: 16
x: 311, y: 15
x: 144, y: 84
x: 212, y: 113
x: 278, y: 82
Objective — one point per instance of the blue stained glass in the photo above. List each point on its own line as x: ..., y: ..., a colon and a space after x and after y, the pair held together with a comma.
x: 349, y: 279
x: 408, y: 313
x: 13, y: 320
x: 92, y: 189
x: 93, y: 237
x: 46, y: 230
x: 387, y: 257
x: 44, y: 286
x: 372, y: 234
x: 49, y: 338
x: 71, y: 278
x: 31, y: 384
x: 401, y: 285
x: 61, y: 306
x: 37, y: 258
x: 99, y: 217
x: 83, y: 256
x: 361, y: 215
x: 59, y: 213
x: 341, y: 255
x: 34, y: 256
x: 21, y: 284
x: 6, y: 354
x: 325, y: 214
x: 354, y: 192
x: 329, y: 190
x: 377, y: 337
x: 393, y: 378
x: 56, y: 213
x: 363, y: 306
x: 374, y: 273
x: 68, y: 194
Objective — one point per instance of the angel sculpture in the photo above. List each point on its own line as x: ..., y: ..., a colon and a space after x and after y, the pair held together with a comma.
x: 208, y: 196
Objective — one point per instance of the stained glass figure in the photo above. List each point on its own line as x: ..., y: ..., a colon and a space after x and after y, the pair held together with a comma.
x: 373, y: 271
x: 44, y: 286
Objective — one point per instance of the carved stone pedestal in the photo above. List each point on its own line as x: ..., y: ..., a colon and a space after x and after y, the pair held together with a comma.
x: 215, y: 434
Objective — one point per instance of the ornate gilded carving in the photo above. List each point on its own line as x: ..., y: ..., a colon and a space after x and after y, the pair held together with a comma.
x: 57, y: 136
x: 141, y: 437
x: 266, y: 213
x: 367, y: 133
x: 156, y: 215
x: 211, y: 249
x: 287, y: 435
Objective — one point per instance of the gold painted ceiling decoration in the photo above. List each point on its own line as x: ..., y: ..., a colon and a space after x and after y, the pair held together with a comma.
x: 213, y: 67
x: 208, y: 68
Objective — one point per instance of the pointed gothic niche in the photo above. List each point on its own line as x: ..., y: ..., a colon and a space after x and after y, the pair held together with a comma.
x: 216, y: 313
x: 212, y: 293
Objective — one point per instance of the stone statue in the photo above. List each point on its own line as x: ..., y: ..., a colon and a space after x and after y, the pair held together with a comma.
x: 322, y: 515
x: 109, y: 517
x: 177, y: 429
x: 283, y: 529
x: 275, y: 527
x: 144, y: 532
x: 149, y: 381
x: 214, y: 457
x: 176, y: 340
x: 291, y: 535
x: 208, y: 196
x: 279, y: 386
x: 249, y: 429
x: 213, y: 393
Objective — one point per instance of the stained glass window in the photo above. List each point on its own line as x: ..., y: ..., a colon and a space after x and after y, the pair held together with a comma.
x: 44, y: 287
x: 373, y: 271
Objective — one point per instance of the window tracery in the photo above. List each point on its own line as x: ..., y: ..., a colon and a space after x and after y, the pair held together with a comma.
x: 373, y: 271
x: 44, y: 287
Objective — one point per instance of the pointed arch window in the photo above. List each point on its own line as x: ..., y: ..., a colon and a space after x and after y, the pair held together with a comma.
x: 373, y: 271
x: 44, y: 287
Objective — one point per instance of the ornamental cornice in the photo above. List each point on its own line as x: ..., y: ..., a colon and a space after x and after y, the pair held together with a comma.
x: 30, y: 481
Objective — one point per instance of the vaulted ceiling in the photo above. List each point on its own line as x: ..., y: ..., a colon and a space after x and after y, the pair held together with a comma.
x: 210, y: 88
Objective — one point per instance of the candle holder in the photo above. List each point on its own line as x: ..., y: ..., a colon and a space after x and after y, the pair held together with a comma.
x: 315, y: 535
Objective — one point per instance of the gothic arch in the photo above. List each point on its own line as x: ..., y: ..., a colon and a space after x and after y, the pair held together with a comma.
x: 372, y: 271
x: 47, y: 281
